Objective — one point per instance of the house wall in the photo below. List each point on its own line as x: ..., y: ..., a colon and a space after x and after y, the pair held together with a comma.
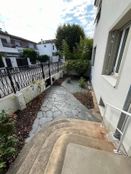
x: 13, y: 62
x: 47, y: 49
x: 15, y: 46
x: 6, y: 49
x: 105, y: 88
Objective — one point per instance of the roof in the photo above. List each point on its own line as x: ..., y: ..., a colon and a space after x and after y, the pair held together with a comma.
x: 47, y: 41
x: 15, y: 37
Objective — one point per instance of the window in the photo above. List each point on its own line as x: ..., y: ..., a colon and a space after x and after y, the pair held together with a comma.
x: 115, y: 49
x: 4, y: 42
x: 53, y: 47
x: 98, y: 15
x: 123, y: 39
x: 93, y: 55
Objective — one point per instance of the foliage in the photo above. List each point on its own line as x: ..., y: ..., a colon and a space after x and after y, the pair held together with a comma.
x: 7, y: 140
x: 30, y: 53
x: 79, y: 66
x: 43, y: 58
x: 71, y: 34
x: 82, y: 82
x: 66, y: 51
x: 84, y: 49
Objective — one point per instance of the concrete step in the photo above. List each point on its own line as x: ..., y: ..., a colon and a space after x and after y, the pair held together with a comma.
x: 80, y: 159
x: 47, y: 149
x: 56, y: 159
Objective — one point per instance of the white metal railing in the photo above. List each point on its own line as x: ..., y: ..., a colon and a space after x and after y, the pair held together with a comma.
x: 128, y: 115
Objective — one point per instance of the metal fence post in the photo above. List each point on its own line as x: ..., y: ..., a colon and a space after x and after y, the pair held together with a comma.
x: 58, y: 66
x: 43, y: 74
x: 11, y: 81
x: 49, y: 70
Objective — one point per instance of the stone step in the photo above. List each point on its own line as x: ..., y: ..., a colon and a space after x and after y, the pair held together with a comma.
x: 56, y: 159
x: 86, y: 160
x: 27, y: 152
x: 38, y: 153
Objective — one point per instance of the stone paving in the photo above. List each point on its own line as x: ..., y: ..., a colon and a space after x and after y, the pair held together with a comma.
x: 73, y: 86
x: 59, y: 104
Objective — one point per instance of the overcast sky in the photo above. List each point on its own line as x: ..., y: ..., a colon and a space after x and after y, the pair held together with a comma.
x: 36, y: 19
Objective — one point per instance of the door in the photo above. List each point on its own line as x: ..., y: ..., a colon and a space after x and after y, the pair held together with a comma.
x: 8, y: 62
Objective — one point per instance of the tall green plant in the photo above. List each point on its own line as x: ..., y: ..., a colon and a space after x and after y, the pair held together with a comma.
x: 71, y: 34
x: 79, y: 66
x: 84, y: 49
x: 66, y: 51
x: 30, y: 53
x: 43, y: 58
x: 8, y: 141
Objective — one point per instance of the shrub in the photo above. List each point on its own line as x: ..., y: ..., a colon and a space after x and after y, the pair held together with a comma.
x: 30, y: 53
x: 8, y: 141
x: 82, y: 82
x: 43, y: 58
x: 79, y: 66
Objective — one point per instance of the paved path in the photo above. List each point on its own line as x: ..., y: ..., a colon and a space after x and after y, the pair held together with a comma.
x: 73, y: 86
x: 59, y: 104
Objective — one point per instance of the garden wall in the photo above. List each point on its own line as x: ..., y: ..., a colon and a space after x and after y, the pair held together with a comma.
x: 18, y: 101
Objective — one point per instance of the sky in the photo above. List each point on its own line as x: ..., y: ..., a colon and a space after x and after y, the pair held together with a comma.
x: 39, y: 19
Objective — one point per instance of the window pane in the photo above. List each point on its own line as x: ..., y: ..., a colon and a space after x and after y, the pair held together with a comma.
x: 122, y: 49
x: 93, y: 55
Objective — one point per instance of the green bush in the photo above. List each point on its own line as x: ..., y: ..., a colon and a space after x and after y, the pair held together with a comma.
x: 82, y: 82
x: 30, y: 53
x: 79, y: 66
x: 8, y: 141
x: 43, y: 58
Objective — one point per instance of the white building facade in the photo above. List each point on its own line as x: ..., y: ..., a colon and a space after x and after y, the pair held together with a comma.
x: 48, y: 47
x: 111, y: 64
x: 11, y: 48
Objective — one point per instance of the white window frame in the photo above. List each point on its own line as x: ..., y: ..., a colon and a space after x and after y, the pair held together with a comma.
x: 119, y: 50
x: 93, y: 55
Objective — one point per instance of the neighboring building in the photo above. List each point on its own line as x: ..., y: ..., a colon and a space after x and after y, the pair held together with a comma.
x: 111, y: 63
x: 48, y: 47
x: 11, y: 48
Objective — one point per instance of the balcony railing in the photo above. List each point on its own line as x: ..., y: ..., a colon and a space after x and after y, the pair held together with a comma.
x: 124, y: 126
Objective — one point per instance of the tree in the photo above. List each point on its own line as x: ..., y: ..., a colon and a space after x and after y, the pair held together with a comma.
x: 82, y: 56
x: 43, y: 58
x: 71, y: 34
x: 84, y: 49
x: 87, y: 50
x: 66, y: 51
x: 30, y: 53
